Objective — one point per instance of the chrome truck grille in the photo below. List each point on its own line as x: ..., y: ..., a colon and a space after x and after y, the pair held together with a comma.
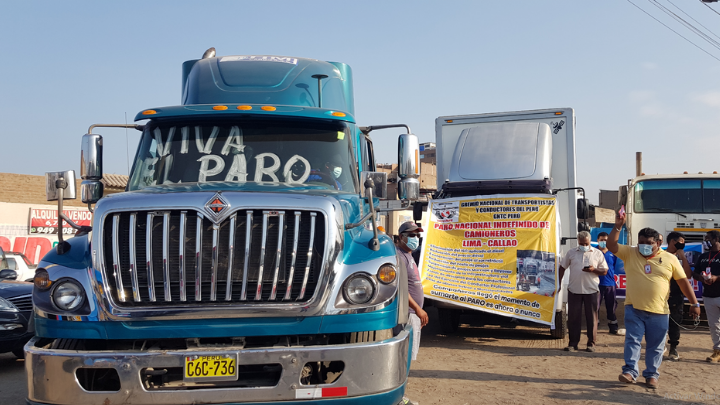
x: 161, y: 258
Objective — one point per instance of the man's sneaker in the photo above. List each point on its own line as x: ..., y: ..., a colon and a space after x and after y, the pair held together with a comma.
x: 590, y: 349
x: 715, y: 357
x: 570, y: 349
x: 673, y: 355
x: 407, y: 401
x: 619, y: 332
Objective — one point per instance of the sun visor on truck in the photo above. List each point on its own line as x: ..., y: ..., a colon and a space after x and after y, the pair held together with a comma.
x: 503, y: 151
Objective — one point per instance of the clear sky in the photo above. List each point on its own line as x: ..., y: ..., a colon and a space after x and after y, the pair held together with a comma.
x: 634, y: 84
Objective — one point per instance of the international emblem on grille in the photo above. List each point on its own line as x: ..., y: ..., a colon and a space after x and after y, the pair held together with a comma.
x: 217, y: 206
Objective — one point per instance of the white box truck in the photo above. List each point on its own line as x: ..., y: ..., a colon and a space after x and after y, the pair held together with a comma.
x: 516, y: 152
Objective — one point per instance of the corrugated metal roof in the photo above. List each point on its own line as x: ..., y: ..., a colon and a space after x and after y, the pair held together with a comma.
x: 116, y: 181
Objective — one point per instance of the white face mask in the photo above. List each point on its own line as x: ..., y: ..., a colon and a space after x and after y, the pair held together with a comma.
x: 337, y: 172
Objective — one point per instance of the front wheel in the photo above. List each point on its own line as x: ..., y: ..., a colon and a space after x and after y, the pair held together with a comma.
x: 449, y: 320
x: 560, y: 325
x: 19, y: 353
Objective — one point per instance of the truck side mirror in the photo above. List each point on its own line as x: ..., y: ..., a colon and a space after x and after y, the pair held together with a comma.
x: 408, y: 167
x: 583, y: 210
x: 379, y: 181
x: 66, y: 181
x: 91, y: 189
x: 583, y: 227
x: 8, y: 274
x: 418, y: 209
x: 622, y: 195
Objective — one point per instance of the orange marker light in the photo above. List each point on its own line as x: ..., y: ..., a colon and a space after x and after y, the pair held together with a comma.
x: 268, y: 108
x: 448, y: 121
x: 338, y: 114
x: 386, y: 274
x: 149, y: 112
x: 558, y: 113
x: 244, y: 107
x: 417, y: 164
x: 220, y: 107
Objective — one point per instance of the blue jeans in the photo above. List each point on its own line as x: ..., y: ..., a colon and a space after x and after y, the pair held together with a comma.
x: 654, y: 327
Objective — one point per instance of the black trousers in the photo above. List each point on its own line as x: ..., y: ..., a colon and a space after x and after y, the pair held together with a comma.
x: 576, y: 302
x: 676, y: 303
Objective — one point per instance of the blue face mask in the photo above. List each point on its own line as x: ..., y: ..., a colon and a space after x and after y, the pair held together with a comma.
x: 602, y: 244
x: 412, y: 243
x: 645, y: 250
x: 584, y: 248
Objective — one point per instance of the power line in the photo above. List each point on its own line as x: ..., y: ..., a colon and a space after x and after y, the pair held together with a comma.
x: 687, y: 25
x: 708, y: 6
x: 681, y: 10
x: 677, y: 33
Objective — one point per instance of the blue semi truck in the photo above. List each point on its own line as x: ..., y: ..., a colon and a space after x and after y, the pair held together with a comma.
x: 242, y: 264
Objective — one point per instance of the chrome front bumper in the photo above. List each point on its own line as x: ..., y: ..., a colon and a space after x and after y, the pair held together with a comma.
x: 370, y: 368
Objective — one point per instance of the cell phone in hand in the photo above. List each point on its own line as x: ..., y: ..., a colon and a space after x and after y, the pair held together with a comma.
x: 621, y: 213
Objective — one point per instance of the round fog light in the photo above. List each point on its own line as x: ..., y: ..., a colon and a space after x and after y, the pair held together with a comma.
x: 68, y: 296
x: 359, y: 290
x: 42, y: 279
x: 386, y: 274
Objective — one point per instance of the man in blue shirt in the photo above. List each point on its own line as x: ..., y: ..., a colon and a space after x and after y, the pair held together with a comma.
x: 607, y: 285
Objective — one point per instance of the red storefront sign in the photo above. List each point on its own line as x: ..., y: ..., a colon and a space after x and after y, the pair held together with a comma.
x: 45, y: 221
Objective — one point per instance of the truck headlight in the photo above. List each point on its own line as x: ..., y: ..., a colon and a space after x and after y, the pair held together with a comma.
x: 68, y: 296
x: 358, y: 289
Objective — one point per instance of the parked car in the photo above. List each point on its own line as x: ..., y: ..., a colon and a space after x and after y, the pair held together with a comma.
x: 22, y: 265
x: 16, y: 310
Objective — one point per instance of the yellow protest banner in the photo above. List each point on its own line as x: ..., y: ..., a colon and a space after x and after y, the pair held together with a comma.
x: 493, y: 253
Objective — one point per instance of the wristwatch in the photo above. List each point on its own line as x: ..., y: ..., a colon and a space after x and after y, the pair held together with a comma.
x: 696, y: 305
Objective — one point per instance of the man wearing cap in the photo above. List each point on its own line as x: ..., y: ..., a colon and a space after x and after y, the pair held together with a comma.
x: 409, y: 240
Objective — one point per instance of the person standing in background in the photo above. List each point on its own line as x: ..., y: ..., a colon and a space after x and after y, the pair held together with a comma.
x: 584, y: 265
x: 607, y: 287
x: 676, y: 300
x: 407, y: 242
x: 707, y: 271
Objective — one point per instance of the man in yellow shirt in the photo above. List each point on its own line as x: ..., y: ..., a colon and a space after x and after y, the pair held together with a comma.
x: 648, y: 271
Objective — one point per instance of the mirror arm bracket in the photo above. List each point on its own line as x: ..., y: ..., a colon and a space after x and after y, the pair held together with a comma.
x: 369, y: 186
x: 133, y: 126
x: 370, y: 128
x: 555, y: 191
x: 62, y: 246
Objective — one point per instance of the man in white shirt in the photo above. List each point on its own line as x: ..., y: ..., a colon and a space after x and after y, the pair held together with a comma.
x: 584, y: 264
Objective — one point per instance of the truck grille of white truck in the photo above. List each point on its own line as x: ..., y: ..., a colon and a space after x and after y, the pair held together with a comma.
x: 178, y: 258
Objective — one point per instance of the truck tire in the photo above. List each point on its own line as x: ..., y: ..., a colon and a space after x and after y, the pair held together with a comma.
x: 449, y: 320
x: 560, y: 325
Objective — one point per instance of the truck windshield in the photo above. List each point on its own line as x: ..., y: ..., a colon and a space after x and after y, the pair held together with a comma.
x: 263, y: 152
x: 678, y: 196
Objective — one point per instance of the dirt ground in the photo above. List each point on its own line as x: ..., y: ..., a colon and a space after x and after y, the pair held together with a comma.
x: 493, y: 365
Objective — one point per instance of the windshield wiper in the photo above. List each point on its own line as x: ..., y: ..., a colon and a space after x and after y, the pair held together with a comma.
x: 656, y: 209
